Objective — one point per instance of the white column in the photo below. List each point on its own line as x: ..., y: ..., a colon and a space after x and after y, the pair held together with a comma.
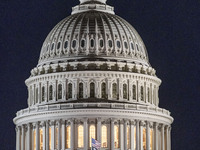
x: 72, y: 134
x: 59, y: 132
x: 63, y: 134
x: 52, y: 135
x: 147, y: 136
x: 85, y: 133
x: 170, y: 138
x: 137, y: 135
x: 47, y: 135
x: 44, y: 135
x: 125, y: 134
x: 37, y: 136
x: 162, y: 137
x: 132, y: 135
x: 22, y: 138
x: 18, y: 130
x: 99, y: 129
x: 156, y: 136
x: 112, y: 144
x: 167, y: 138
x: 29, y: 136
x: 141, y: 135
x: 121, y: 134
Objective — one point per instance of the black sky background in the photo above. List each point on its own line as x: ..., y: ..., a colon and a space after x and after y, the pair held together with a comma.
x: 170, y: 30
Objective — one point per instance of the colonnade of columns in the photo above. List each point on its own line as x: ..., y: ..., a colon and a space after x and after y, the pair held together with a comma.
x: 51, y: 135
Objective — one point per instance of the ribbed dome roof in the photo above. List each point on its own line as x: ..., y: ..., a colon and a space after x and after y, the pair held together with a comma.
x: 93, y: 31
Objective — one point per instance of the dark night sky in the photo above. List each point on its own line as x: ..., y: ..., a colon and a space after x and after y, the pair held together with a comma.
x: 170, y: 30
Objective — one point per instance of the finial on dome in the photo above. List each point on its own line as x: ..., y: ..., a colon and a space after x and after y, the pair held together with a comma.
x: 102, y: 1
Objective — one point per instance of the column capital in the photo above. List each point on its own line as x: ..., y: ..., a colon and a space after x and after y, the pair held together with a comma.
x: 42, y: 123
x: 52, y: 123
x: 99, y: 119
x: 133, y: 122
x: 142, y: 123
x: 126, y: 121
x: 63, y: 122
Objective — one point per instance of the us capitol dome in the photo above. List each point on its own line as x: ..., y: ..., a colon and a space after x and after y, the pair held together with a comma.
x: 93, y: 80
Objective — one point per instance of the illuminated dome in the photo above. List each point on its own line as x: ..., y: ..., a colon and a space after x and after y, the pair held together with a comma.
x: 93, y: 80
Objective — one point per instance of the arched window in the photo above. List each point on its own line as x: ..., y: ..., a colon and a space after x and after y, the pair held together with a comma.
x: 151, y: 139
x: 103, y: 90
x: 49, y: 138
x: 74, y: 44
x: 110, y: 44
x: 92, y: 43
x: 82, y: 43
x: 80, y: 90
x: 142, y: 93
x: 125, y: 94
x: 80, y: 136
x: 60, y: 91
x: 128, y: 134
x: 148, y: 94
x: 52, y: 46
x: 118, y: 44
x: 104, y: 137
x: 43, y: 94
x: 132, y: 46
x: 114, y: 91
x: 69, y: 91
x: 134, y: 92
x: 67, y: 136
x: 36, y: 97
x: 116, y: 136
x: 144, y: 139
x: 41, y: 139
x: 50, y: 92
x: 66, y: 44
x: 126, y: 45
x: 92, y: 133
x: 58, y: 46
x: 101, y: 43
x: 92, y: 90
x: 34, y: 140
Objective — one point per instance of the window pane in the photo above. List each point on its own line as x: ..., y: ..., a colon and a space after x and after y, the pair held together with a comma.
x: 52, y: 46
x: 36, y: 97
x: 80, y: 136
x: 104, y: 137
x: 110, y: 43
x: 92, y: 133
x: 34, y: 140
x: 56, y: 138
x: 118, y: 44
x: 50, y: 92
x: 82, y: 43
x: 132, y: 46
x: 92, y: 43
x: 114, y: 91
x: 125, y: 91
x: 60, y: 91
x: 142, y: 93
x: 69, y: 91
x: 151, y: 139
x: 148, y: 94
x: 101, y: 43
x: 134, y: 92
x: 126, y: 45
x: 43, y: 94
x: 74, y: 44
x: 128, y: 134
x: 116, y: 136
x: 67, y: 136
x: 92, y: 90
x: 144, y: 139
x: 103, y: 90
x: 80, y: 90
x: 58, y: 46
x: 66, y: 44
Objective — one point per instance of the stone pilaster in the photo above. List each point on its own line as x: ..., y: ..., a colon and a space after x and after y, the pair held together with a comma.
x: 125, y: 134
x: 137, y: 134
x: 147, y: 135
x: 112, y: 145
x: 72, y: 134
x: 156, y: 136
x: 141, y: 134
x: 122, y: 134
x: 63, y: 134
x: 52, y: 135
x: 133, y: 123
x: 47, y: 135
x: 85, y: 133
x: 99, y: 129
x: 162, y: 137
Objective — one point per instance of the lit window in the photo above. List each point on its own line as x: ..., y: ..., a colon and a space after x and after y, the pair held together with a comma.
x: 52, y: 46
x: 114, y: 91
x: 41, y: 139
x: 151, y: 139
x: 67, y: 136
x: 43, y: 94
x: 50, y: 92
x: 58, y: 46
x: 110, y: 43
x: 34, y: 140
x: 101, y: 43
x: 92, y: 43
x: 82, y: 43
x: 60, y: 91
x: 80, y: 90
x: 103, y: 90
x: 116, y: 136
x: 66, y: 44
x: 36, y: 97
x: 92, y: 90
x: 134, y: 92
x: 92, y: 133
x: 56, y: 138
x: 142, y: 93
x: 104, y: 137
x: 69, y: 91
x: 80, y: 136
x: 144, y: 139
x: 49, y: 138
x: 126, y: 45
x: 128, y: 137
x: 125, y: 91
x: 118, y: 44
x: 74, y: 44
